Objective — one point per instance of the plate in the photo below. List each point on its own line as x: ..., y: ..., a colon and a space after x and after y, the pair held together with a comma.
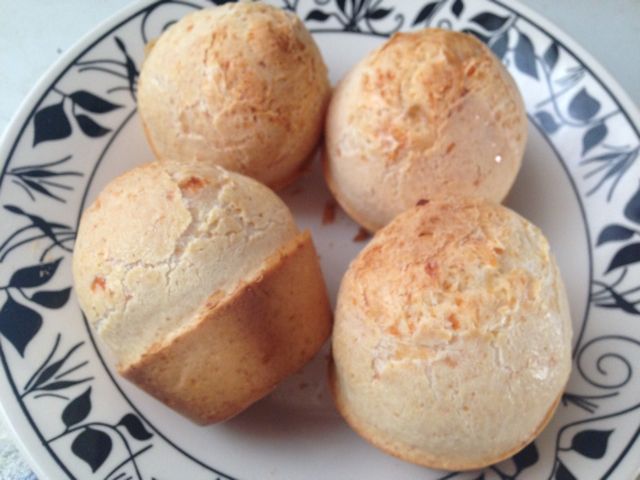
x: 76, y: 418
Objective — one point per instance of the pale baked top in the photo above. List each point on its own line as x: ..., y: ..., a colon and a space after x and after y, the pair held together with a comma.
x: 450, y: 324
x: 163, y: 238
x: 428, y: 112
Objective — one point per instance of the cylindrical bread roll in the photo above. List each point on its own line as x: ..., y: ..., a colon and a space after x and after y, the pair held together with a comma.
x: 452, y: 336
x: 200, y: 283
x: 427, y: 113
x: 242, y: 86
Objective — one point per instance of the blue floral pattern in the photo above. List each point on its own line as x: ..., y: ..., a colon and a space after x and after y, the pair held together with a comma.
x: 35, y: 255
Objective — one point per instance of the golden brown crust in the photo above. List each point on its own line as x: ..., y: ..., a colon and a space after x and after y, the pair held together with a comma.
x: 428, y: 113
x: 450, y: 323
x: 242, y: 86
x: 242, y: 346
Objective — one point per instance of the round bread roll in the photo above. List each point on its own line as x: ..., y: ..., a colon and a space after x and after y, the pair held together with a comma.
x: 452, y: 337
x: 202, y: 286
x: 242, y: 86
x: 427, y: 113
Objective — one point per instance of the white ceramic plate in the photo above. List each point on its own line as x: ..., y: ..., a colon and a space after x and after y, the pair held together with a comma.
x: 75, y: 418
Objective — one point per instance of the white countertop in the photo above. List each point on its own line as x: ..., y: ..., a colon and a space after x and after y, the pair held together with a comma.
x: 33, y: 34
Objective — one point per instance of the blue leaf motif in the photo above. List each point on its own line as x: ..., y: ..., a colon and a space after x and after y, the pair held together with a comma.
x: 632, y: 209
x: 40, y: 189
x: 500, y: 45
x: 625, y: 256
x: 591, y: 443
x: 563, y: 473
x: 620, y: 302
x: 550, y: 57
x: 50, y: 123
x: 546, y: 121
x: 583, y: 106
x: 19, y: 324
x: 92, y: 103
x: 53, y: 368
x: 614, y: 233
x: 14, y: 209
x: 593, y: 137
x: 132, y: 71
x: 489, y: 21
x: 37, y: 173
x: 135, y: 427
x: 426, y: 13
x: 48, y: 372
x: 77, y: 409
x: 525, y: 56
x: 378, y: 14
x: 92, y: 446
x: 38, y: 222
x: 52, y: 298
x: 526, y: 457
x: 457, y: 8
x: 63, y: 384
x: 317, y: 15
x: 90, y: 127
x: 35, y: 275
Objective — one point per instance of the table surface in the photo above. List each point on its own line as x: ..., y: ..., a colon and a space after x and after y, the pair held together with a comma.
x: 34, y: 34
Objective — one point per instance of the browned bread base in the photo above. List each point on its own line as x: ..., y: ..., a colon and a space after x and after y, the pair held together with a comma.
x: 242, y: 346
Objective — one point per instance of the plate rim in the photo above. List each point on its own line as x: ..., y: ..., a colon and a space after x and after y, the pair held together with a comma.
x: 36, y: 94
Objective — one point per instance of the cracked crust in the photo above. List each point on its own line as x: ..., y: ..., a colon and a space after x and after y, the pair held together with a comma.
x: 242, y: 86
x: 246, y: 343
x: 427, y: 113
x: 449, y: 324
x: 165, y: 239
